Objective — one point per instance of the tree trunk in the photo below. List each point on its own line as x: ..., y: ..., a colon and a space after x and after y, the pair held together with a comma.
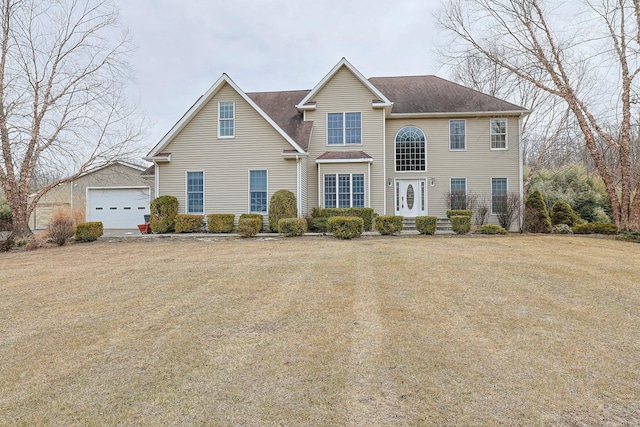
x: 20, y: 220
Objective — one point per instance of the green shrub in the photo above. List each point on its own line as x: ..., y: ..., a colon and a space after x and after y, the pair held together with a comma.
x: 282, y: 205
x: 561, y: 213
x: 536, y: 216
x: 631, y: 236
x: 318, y: 225
x: 561, y: 229
x: 220, y: 223
x: 389, y: 224
x: 595, y: 228
x: 248, y: 227
x: 253, y: 216
x: 88, y: 231
x: 426, y: 224
x: 491, y: 229
x: 366, y: 214
x: 186, y: 223
x: 292, y: 226
x: 345, y: 227
x: 5, y: 218
x: 461, y: 224
x: 459, y: 212
x: 163, y: 214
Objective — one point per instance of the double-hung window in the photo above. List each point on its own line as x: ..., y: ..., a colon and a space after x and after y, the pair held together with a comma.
x: 226, y: 119
x: 498, y: 134
x: 458, y: 193
x: 195, y: 192
x: 457, y: 137
x: 258, y: 191
x: 498, y: 195
x: 344, y: 128
x: 344, y: 190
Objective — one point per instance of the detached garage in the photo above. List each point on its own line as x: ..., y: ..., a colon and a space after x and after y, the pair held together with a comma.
x: 117, y: 194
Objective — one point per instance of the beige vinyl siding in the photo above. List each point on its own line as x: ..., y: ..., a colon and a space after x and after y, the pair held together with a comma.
x: 226, y: 162
x: 478, y: 164
x: 345, y: 93
x: 343, y: 168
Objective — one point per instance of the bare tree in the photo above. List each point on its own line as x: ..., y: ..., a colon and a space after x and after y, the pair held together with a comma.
x: 63, y: 110
x: 583, y: 52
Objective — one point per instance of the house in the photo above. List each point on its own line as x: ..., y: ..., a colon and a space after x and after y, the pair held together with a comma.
x: 117, y: 194
x: 399, y: 145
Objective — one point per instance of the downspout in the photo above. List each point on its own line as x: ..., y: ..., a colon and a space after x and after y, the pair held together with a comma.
x: 319, y: 204
x: 384, y: 162
x: 520, y: 172
x: 156, y: 179
x: 298, y: 186
x: 368, y: 185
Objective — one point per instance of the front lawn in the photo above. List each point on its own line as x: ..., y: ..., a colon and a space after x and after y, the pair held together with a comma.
x: 472, y: 330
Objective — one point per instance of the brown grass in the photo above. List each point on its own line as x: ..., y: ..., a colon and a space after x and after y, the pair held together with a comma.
x: 518, y: 330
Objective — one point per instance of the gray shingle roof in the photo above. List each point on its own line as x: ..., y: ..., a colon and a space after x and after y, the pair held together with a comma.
x: 344, y: 155
x: 432, y: 94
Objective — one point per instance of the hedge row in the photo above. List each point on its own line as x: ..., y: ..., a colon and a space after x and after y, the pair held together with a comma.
x: 319, y: 217
x: 389, y: 224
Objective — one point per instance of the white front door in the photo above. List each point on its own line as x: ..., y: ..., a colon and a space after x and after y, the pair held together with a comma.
x: 410, y: 197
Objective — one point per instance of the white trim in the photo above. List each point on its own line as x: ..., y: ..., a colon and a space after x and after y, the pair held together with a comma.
x: 233, y: 135
x: 395, y: 164
x: 249, y: 191
x: 201, y: 102
x: 384, y: 164
x: 156, y: 178
x: 186, y: 192
x: 367, y: 203
x: 344, y: 63
x: 344, y: 130
x: 520, y: 173
x: 465, y: 135
x: 320, y: 183
x: 506, y: 134
x: 294, y: 155
x: 418, y: 190
x: 299, y: 186
x: 367, y: 160
x: 159, y: 159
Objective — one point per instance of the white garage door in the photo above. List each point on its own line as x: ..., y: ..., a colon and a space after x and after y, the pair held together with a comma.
x: 118, y: 207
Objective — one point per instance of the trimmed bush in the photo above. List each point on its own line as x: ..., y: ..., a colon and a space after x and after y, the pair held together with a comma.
x: 536, y: 216
x: 220, y: 223
x: 595, y: 228
x: 253, y: 216
x: 292, y: 226
x: 461, y: 224
x: 318, y: 225
x: 88, y: 231
x: 366, y: 214
x: 426, y: 224
x: 249, y: 227
x: 186, y: 223
x: 345, y: 227
x: 282, y: 205
x: 389, y: 224
x: 561, y: 213
x: 163, y: 214
x: 491, y: 229
x: 459, y: 212
x: 61, y: 226
x: 561, y: 229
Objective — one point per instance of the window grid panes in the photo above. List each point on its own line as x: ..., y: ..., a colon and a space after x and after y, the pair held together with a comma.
x: 344, y: 128
x: 458, y: 193
x: 410, y: 150
x: 498, y: 194
x: 498, y: 133
x: 457, y: 135
x: 344, y: 190
x: 195, y: 192
x: 258, y: 191
x: 226, y: 119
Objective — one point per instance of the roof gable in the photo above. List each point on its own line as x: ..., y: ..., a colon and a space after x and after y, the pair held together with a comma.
x: 201, y: 102
x: 380, y: 99
x: 434, y: 95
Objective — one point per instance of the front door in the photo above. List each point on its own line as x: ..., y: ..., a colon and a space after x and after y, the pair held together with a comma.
x: 410, y: 197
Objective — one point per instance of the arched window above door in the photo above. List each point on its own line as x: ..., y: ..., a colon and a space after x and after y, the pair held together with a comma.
x: 410, y: 150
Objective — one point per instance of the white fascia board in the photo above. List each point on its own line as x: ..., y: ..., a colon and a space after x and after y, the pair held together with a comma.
x: 343, y: 62
x: 344, y: 160
x: 294, y: 155
x: 158, y: 159
x: 201, y: 102
x: 457, y: 114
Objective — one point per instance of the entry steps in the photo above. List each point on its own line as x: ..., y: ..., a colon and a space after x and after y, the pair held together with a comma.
x: 443, y: 224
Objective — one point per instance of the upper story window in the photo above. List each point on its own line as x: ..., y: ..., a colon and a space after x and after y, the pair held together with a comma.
x: 457, y: 135
x: 344, y: 128
x: 498, y: 134
x: 195, y: 192
x: 410, y: 150
x: 226, y: 119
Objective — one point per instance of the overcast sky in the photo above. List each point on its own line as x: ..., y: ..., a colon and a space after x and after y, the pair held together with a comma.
x: 184, y: 46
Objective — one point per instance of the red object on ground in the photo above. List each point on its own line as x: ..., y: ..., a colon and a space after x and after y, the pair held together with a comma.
x: 145, y: 228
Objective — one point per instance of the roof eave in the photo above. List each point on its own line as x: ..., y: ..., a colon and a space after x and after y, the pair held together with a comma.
x: 294, y: 155
x: 460, y: 114
x: 344, y: 160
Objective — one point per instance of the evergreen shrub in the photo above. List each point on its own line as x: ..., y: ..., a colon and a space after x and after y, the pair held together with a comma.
x: 426, y: 224
x: 595, y: 228
x: 292, y: 226
x: 88, y: 231
x: 187, y: 223
x: 366, y: 214
x: 249, y: 226
x: 536, y: 215
x: 561, y: 229
x: 459, y: 212
x: 389, y: 224
x: 163, y: 214
x: 562, y: 213
x: 461, y: 224
x: 345, y: 227
x: 220, y: 223
x: 491, y: 229
x: 282, y: 205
